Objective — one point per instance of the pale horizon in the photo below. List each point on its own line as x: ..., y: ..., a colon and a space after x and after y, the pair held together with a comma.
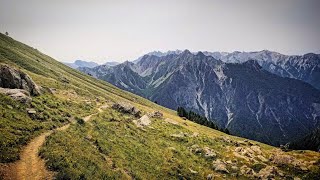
x: 103, y: 31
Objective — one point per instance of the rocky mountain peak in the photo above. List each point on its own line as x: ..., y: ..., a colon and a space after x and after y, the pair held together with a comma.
x: 200, y: 54
x: 186, y: 52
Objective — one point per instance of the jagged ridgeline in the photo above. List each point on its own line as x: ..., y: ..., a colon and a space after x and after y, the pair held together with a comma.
x: 84, y: 128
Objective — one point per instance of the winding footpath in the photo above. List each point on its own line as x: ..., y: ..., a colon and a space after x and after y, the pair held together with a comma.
x: 31, y: 166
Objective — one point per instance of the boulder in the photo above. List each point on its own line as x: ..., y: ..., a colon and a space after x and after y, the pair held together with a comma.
x: 209, y: 153
x: 234, y: 168
x: 31, y: 111
x: 256, y: 149
x: 229, y: 162
x: 241, y: 143
x: 16, y: 79
x: 267, y: 172
x: 127, y: 108
x: 196, y: 149
x: 180, y: 135
x: 17, y: 94
x: 171, y: 121
x: 238, y: 149
x: 143, y: 121
x: 220, y: 166
x: 245, y: 170
x: 173, y: 149
x: 195, y: 134
x: 193, y: 171
x: 156, y: 114
x: 282, y: 159
x: 262, y: 158
x: 210, y: 176
x: 236, y: 154
x: 52, y: 90
x: 225, y: 139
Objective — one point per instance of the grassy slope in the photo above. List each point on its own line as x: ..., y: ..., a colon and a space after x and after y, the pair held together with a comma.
x: 110, y: 146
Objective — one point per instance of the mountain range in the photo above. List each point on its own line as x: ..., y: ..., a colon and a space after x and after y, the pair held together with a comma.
x: 305, y: 67
x: 81, y: 63
x: 264, y: 95
x: 90, y: 64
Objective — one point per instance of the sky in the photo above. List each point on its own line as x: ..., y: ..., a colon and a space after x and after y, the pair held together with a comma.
x: 123, y: 30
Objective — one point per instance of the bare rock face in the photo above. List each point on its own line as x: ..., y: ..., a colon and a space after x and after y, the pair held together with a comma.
x: 12, y: 78
x: 17, y: 94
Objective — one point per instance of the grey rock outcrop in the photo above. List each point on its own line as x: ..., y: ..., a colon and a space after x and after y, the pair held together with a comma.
x: 17, y: 94
x: 209, y: 153
x: 156, y: 114
x: 127, y: 108
x: 12, y: 78
x: 220, y: 166
x: 143, y: 121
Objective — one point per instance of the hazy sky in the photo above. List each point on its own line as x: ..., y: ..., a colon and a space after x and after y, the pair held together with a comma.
x: 123, y: 30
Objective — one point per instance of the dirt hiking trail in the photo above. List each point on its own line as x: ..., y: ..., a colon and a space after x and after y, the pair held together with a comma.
x: 31, y: 166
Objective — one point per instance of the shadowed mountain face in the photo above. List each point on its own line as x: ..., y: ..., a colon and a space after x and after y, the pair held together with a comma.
x: 248, y: 100
x: 310, y: 141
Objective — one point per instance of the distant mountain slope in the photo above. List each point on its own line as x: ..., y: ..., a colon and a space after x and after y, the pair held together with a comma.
x: 244, y: 98
x: 81, y: 63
